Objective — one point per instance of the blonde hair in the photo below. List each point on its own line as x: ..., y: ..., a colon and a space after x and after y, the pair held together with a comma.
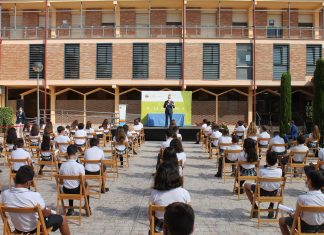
x: 316, y: 133
x: 252, y: 130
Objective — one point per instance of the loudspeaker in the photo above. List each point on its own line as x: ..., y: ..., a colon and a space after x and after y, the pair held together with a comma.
x: 20, y: 103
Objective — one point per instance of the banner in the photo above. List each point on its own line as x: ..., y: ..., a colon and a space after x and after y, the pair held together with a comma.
x: 153, y: 101
x: 122, y: 114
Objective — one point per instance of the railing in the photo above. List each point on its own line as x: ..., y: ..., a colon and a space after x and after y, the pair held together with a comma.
x: 163, y: 31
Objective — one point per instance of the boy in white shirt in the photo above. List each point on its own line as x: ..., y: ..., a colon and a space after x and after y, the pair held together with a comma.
x: 216, y: 134
x: 203, y: 126
x: 169, y: 137
x: 240, y: 129
x: 224, y: 139
x: 61, y: 138
x: 266, y: 188
x: 277, y: 140
x: 230, y: 158
x: 310, y: 222
x: 208, y: 129
x: 80, y: 133
x: 263, y: 135
x: 20, y: 153
x: 72, y: 168
x: 300, y: 147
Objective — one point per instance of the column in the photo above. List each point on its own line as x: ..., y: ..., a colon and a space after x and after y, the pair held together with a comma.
x: 53, y: 22
x: 117, y: 19
x: 316, y: 20
x: 52, y: 104
x: 184, y: 19
x: 117, y: 98
x: 216, y: 118
x: 84, y: 109
x: 250, y: 21
x: 250, y: 105
x: 0, y: 19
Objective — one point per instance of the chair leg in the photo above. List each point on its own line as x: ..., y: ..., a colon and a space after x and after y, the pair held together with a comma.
x: 259, y: 214
x: 80, y: 211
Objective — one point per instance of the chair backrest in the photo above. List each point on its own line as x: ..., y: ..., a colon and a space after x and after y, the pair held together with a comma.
x: 41, y: 226
x: 240, y: 163
x: 296, y: 227
x: 47, y: 152
x: 152, y: 210
x: 305, y: 153
x: 12, y: 161
x: 264, y: 139
x: 228, y: 151
x: 60, y: 178
x: 83, y: 161
x: 224, y: 144
x: 281, y: 180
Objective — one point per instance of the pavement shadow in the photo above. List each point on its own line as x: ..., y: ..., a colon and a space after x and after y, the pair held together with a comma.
x: 133, y: 213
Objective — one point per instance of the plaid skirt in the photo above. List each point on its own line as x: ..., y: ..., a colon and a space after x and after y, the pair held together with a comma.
x: 248, y: 172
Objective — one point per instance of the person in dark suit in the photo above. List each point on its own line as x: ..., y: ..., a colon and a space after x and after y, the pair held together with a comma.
x: 293, y: 134
x: 20, y: 116
x: 169, y: 106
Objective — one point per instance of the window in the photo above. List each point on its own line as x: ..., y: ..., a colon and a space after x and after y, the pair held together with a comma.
x: 108, y: 19
x: 280, y: 60
x: 305, y: 20
x: 313, y: 53
x: 174, y: 60
x: 140, y: 60
x: 72, y: 61
x: 104, y: 61
x: 239, y: 18
x: 244, y: 61
x: 211, y: 61
x: 36, y: 54
x: 174, y: 18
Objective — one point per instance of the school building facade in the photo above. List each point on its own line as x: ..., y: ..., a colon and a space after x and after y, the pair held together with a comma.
x: 98, y: 54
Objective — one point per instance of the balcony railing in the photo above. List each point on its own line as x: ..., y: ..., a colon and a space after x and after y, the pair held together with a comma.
x: 162, y: 31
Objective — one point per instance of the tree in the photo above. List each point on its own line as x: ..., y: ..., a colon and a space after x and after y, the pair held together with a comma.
x: 318, y: 100
x: 285, y: 103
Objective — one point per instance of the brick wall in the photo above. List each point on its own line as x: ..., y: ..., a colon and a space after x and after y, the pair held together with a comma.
x: 294, y: 32
x: 55, y: 61
x: 199, y: 110
x: 225, y: 22
x: 193, y: 18
x: 264, y: 61
x: 298, y: 62
x: 228, y: 61
x: 93, y: 17
x: 60, y: 16
x: 158, y: 18
x: 127, y: 18
x: 122, y: 61
x: 30, y: 20
x: 193, y: 61
x: 14, y: 62
x: 88, y: 60
x: 261, y: 20
x: 157, y: 61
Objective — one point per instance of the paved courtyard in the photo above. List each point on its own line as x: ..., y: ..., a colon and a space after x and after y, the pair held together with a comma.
x: 124, y: 209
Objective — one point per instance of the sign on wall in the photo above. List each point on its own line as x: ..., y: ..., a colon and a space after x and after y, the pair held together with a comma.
x: 153, y: 101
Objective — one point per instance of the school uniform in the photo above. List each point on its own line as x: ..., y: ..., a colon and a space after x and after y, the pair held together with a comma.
x: 93, y: 153
x: 80, y: 133
x: 262, y: 143
x: 62, y: 139
x: 268, y: 188
x: 299, y: 158
x: 230, y: 158
x: 277, y: 150
x: 240, y: 129
x: 217, y: 135
x: 19, y: 153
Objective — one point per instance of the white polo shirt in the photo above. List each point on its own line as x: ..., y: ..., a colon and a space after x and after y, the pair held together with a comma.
x: 93, y: 153
x: 165, y: 198
x: 321, y: 156
x: 80, y: 133
x: 141, y: 124
x: 137, y: 127
x: 203, y: 126
x: 233, y: 156
x: 182, y: 156
x: 277, y: 140
x: 225, y: 139
x: 90, y: 132
x: 23, y: 198
x: 19, y: 153
x: 216, y: 134
x: 207, y: 130
x: 239, y: 129
x: 62, y: 139
x: 264, y: 135
x: 166, y: 143
x: 242, y: 157
x: 312, y: 198
x: 71, y: 167
x: 270, y: 172
x: 299, y: 148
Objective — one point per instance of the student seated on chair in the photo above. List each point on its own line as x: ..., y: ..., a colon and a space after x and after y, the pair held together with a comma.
x: 321, y: 157
x: 203, y: 126
x: 263, y: 135
x: 20, y: 153
x: 46, y: 155
x: 181, y: 155
x: 240, y: 128
x: 179, y: 219
x: 34, y: 135
x: 215, y: 134
x: 300, y: 147
x: 313, y: 138
x: 167, y: 189
x: 277, y: 140
x: 310, y: 222
x: 207, y: 130
x: 120, y: 142
x: 80, y: 133
x: 11, y: 138
x: 90, y: 131
x: 95, y: 153
x: 72, y: 168
x: 231, y: 157
x: 266, y: 188
x: 224, y: 139
x: 62, y: 138
x: 252, y: 131
x: 20, y: 196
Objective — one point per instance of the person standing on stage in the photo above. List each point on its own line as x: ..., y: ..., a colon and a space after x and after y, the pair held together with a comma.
x: 169, y: 106
x: 20, y: 120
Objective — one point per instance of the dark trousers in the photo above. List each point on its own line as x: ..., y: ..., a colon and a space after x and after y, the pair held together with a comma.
x: 220, y: 165
x: 168, y: 115
x: 73, y: 191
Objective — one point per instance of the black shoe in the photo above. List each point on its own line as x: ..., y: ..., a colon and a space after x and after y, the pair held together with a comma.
x: 70, y: 212
x: 197, y: 142
x: 271, y: 213
x: 218, y: 175
x: 255, y: 214
x: 241, y: 191
x: 135, y: 153
x: 104, y: 190
x: 40, y: 172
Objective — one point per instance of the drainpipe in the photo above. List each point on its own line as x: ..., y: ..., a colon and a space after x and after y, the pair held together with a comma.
x: 289, y: 19
x: 254, y: 79
x: 45, y: 55
x: 184, y: 25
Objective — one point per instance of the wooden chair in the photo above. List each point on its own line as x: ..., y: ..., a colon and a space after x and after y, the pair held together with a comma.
x: 263, y: 150
x: 213, y: 149
x: 97, y: 178
x: 292, y: 167
x: 280, y: 156
x: 62, y: 154
x: 34, y: 141
x: 111, y: 164
x: 6, y: 153
x: 258, y: 199
x: 78, y: 197
x: 142, y: 136
x: 101, y: 136
x: 240, y: 177
x: 240, y: 134
x: 221, y: 153
x: 12, y: 174
x: 52, y: 164
x: 319, y: 165
x: 123, y: 159
x: 40, y: 228
x: 152, y: 210
x: 84, y: 146
x: 226, y: 164
x: 296, y: 227
x: 34, y: 150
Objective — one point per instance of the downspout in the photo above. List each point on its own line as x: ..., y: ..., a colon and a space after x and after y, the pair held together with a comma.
x: 45, y: 56
x: 254, y: 78
x: 184, y: 25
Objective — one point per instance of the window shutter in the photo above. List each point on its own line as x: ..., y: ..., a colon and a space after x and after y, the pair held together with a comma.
x: 211, y: 61
x: 140, y: 60
x: 36, y: 54
x: 71, y: 61
x: 104, y: 60
x: 280, y: 60
x: 174, y: 60
x: 313, y: 53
